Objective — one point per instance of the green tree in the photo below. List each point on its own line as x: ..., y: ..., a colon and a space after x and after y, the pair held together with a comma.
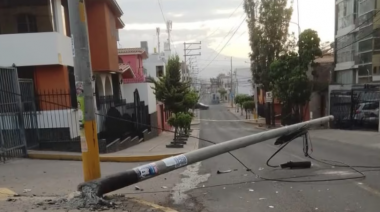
x: 222, y: 93
x: 171, y: 91
x: 191, y: 99
x: 291, y: 85
x: 240, y: 99
x: 309, y: 48
x: 248, y: 107
x: 268, y: 23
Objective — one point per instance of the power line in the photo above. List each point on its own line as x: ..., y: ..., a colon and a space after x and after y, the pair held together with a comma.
x: 162, y: 12
x: 228, y: 18
x: 225, y: 44
x: 231, y: 30
x: 361, y: 38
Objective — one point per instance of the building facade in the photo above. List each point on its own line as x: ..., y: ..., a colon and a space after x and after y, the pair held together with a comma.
x: 37, y: 38
x: 357, y: 42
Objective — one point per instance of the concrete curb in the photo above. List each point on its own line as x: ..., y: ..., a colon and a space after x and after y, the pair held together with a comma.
x: 6, y: 193
x: 247, y: 121
x: 41, y: 155
x: 153, y: 205
x: 103, y: 158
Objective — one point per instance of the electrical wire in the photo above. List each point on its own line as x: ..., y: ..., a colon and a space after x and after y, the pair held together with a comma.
x: 224, y: 45
x: 356, y: 41
x: 228, y: 18
x: 374, y: 14
x: 236, y: 158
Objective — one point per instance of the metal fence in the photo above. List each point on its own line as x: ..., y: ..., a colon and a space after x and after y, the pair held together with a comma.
x: 58, y: 118
x: 357, y: 108
x: 29, y: 114
x: 12, y: 129
x: 118, y: 119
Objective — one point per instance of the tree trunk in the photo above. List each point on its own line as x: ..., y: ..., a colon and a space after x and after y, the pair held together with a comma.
x: 273, y: 114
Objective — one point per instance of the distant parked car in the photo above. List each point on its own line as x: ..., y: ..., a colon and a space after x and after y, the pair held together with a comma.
x: 368, y: 113
x: 201, y: 106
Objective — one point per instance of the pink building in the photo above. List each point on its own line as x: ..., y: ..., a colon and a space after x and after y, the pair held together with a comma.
x: 134, y: 82
x: 132, y: 57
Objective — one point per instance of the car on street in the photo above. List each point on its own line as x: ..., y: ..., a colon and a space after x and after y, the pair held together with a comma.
x: 201, y: 106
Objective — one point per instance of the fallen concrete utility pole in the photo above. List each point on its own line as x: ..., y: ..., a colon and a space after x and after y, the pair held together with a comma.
x: 117, y: 181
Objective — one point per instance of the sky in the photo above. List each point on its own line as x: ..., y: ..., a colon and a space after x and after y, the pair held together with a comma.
x: 210, y: 22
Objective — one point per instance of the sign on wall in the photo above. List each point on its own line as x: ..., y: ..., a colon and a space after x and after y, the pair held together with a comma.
x: 268, y: 96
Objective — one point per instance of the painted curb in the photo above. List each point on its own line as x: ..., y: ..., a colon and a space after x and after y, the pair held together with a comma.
x: 153, y: 205
x: 103, y: 158
x: 5, y: 193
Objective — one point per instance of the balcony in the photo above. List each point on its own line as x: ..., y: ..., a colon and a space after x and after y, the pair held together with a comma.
x: 32, y: 49
x: 34, y: 33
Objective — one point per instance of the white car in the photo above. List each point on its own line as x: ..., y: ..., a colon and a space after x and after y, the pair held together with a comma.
x: 367, y: 113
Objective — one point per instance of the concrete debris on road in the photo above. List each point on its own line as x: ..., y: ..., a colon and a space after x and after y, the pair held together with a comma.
x: 223, y: 172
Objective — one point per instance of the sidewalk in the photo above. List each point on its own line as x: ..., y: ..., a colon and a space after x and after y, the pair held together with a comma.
x: 359, y: 138
x: 151, y: 150
x: 154, y: 149
x: 260, y: 123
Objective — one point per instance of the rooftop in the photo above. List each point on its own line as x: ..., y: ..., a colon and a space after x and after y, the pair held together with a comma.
x: 133, y: 51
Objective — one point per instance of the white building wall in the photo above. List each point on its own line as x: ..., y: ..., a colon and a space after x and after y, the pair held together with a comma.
x: 32, y: 49
x: 152, y: 62
x: 47, y: 119
x: 145, y: 93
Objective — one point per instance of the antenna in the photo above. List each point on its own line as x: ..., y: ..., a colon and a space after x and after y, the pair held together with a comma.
x: 158, y: 39
x: 169, y: 29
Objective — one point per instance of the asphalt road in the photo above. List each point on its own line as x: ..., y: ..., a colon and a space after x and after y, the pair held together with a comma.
x: 242, y: 191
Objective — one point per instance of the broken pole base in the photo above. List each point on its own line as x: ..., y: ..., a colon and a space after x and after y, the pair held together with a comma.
x: 110, y: 183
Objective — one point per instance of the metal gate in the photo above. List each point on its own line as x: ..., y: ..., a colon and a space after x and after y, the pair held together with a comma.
x: 12, y: 130
x: 357, y: 108
x: 30, y: 115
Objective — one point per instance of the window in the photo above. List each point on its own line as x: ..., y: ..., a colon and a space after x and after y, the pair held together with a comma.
x: 366, y: 6
x: 344, y: 77
x: 365, y: 45
x: 159, y: 71
x: 365, y: 32
x: 345, y: 13
x: 374, y: 70
x: 371, y: 106
x: 365, y: 58
x: 365, y: 70
x: 26, y: 23
x: 376, y: 44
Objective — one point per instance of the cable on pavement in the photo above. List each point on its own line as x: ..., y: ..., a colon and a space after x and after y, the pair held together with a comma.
x: 212, y: 142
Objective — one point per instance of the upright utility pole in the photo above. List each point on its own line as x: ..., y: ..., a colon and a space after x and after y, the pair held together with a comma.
x: 232, y: 101
x: 187, y: 50
x: 83, y: 83
x: 236, y: 88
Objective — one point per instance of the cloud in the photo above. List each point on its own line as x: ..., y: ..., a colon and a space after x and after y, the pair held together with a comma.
x: 209, y: 22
